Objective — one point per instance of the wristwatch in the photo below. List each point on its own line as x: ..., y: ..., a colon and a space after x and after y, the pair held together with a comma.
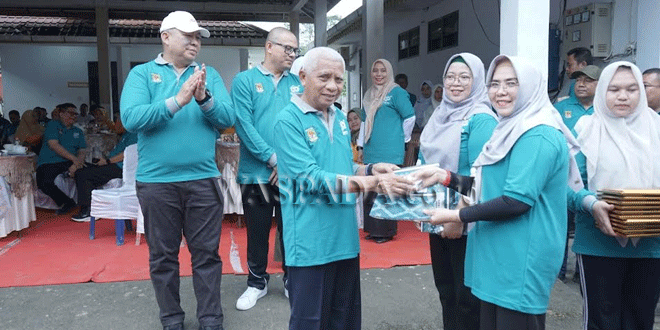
x: 206, y: 98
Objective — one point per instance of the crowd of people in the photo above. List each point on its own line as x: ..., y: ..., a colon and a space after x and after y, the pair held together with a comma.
x: 513, y: 163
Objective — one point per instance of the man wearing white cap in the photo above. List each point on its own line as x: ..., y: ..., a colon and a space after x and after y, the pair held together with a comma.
x: 175, y: 105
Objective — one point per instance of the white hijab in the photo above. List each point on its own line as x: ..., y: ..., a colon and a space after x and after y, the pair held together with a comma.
x: 532, y: 108
x: 435, y: 103
x: 440, y: 141
x: 422, y: 103
x: 621, y: 152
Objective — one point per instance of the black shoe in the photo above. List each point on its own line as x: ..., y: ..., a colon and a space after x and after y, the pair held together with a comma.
x: 68, y: 206
x: 83, y: 215
x: 178, y: 326
x: 369, y: 237
x: 380, y: 240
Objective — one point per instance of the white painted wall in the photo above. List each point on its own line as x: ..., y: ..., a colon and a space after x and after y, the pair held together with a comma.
x: 37, y: 74
x: 430, y: 66
x: 648, y: 30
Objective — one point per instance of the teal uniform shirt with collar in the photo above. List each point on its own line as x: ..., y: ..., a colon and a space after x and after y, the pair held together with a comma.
x: 72, y: 139
x: 589, y: 240
x: 386, y: 143
x: 514, y: 263
x: 319, y: 224
x: 126, y: 140
x: 174, y: 143
x: 475, y: 133
x: 258, y: 97
x: 571, y: 110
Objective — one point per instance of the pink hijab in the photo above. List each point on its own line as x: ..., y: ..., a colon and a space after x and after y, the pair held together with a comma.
x: 375, y: 95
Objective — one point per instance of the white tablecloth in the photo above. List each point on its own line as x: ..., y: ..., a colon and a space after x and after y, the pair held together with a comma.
x: 16, y: 192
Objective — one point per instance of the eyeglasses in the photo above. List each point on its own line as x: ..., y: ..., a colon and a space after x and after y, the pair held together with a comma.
x: 462, y: 79
x: 649, y: 86
x: 288, y: 49
x: 495, y: 85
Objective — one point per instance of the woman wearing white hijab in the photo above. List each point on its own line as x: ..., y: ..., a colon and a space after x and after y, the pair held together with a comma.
x: 516, y: 247
x: 620, y: 149
x: 422, y: 103
x: 435, y: 102
x: 388, y: 125
x: 453, y: 138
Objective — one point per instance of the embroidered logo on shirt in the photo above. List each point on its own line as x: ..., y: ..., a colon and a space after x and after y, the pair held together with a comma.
x: 155, y: 77
x: 342, y: 125
x: 387, y: 99
x: 259, y: 87
x: 568, y: 114
x: 295, y: 89
x: 311, y: 135
x: 75, y: 135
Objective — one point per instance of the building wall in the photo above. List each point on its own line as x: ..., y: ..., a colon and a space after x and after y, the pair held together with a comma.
x: 37, y: 74
x: 430, y: 66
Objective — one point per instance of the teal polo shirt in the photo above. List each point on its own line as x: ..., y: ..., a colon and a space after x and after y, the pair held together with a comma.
x: 589, y: 240
x: 126, y: 140
x: 72, y: 139
x: 319, y: 224
x: 475, y: 133
x: 386, y: 143
x: 571, y: 110
x: 174, y: 144
x: 514, y: 263
x: 258, y: 97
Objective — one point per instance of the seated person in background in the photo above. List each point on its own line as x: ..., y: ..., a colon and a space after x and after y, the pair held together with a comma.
x: 63, y: 149
x: 84, y: 118
x: 101, y: 119
x: 55, y: 115
x: 106, y: 169
x: 42, y: 116
x: 4, y: 130
x: 29, y: 132
x: 119, y: 127
x: 651, y: 86
x: 15, y: 119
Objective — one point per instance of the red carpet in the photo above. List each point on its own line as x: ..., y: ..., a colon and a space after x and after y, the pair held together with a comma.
x: 56, y: 250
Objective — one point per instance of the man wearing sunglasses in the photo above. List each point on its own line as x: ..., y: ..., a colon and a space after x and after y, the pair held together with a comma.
x: 259, y: 94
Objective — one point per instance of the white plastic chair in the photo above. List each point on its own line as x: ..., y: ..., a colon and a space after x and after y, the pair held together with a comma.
x: 120, y: 204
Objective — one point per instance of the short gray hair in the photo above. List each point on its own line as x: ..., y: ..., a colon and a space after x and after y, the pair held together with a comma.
x: 314, y: 55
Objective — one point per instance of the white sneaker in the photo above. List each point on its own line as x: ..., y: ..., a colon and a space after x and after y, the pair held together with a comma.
x: 249, y: 298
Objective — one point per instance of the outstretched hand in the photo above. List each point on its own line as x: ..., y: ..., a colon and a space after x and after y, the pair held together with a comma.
x: 393, y: 185
x: 442, y: 216
x: 429, y: 176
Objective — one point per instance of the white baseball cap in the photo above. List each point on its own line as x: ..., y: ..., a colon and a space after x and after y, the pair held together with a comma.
x: 184, y: 22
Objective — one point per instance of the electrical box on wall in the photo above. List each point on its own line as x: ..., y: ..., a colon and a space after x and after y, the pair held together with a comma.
x: 589, y: 26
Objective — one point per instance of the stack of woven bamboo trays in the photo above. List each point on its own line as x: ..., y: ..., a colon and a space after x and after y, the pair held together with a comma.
x: 636, y: 211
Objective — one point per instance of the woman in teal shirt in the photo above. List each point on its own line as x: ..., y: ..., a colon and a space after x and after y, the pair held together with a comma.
x: 453, y: 138
x: 390, y: 119
x: 516, y: 247
x: 620, y: 149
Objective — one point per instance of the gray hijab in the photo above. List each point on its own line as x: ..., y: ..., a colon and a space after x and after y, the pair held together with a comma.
x: 440, y: 141
x: 532, y: 108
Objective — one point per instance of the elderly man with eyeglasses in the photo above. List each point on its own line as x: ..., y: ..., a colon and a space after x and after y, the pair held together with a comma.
x: 258, y: 95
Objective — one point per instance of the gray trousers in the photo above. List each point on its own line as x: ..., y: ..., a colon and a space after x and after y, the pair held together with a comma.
x: 194, y: 208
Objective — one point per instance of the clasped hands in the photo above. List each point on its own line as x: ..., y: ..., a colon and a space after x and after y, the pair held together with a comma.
x: 195, y: 87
